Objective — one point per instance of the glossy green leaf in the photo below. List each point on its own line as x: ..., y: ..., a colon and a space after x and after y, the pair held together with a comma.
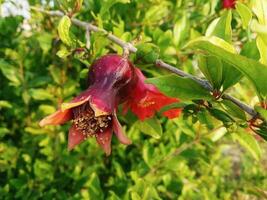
x: 245, y: 14
x: 183, y: 88
x: 230, y: 75
x: 180, y: 30
x: 212, y: 68
x: 150, y: 127
x: 233, y: 109
x: 221, y: 115
x: 64, y: 31
x: 262, y: 46
x: 262, y: 112
x: 253, y: 70
x: 222, y: 27
x: 10, y: 72
x: 147, y: 153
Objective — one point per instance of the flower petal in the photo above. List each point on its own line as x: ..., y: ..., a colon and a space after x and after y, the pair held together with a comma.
x: 228, y: 4
x: 75, y: 137
x: 172, y: 113
x: 78, y: 100
x: 153, y: 101
x: 59, y: 117
x: 98, y: 112
x: 146, y: 99
x: 104, y: 140
x: 119, y: 132
x: 66, y: 106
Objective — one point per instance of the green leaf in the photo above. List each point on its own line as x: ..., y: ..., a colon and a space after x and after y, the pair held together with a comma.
x: 64, y: 31
x: 248, y: 142
x: 221, y: 115
x: 250, y: 50
x: 222, y: 27
x: 233, y: 109
x: 56, y: 73
x: 150, y: 193
x: 260, y: 29
x: 212, y: 68
x: 230, y: 75
x: 106, y: 5
x: 253, y: 70
x: 261, y: 40
x: 112, y: 196
x: 63, y: 53
x: 262, y: 46
x: 45, y: 41
x: 135, y: 196
x: 94, y: 187
x: 148, y: 151
x: 40, y: 94
x: 5, y: 104
x: 183, y: 88
x: 180, y: 30
x: 245, y: 14
x: 259, y: 7
x: 10, y: 72
x: 218, y: 134
x: 261, y: 111
x: 3, y: 132
x: 147, y: 52
x: 43, y: 170
x: 150, y: 127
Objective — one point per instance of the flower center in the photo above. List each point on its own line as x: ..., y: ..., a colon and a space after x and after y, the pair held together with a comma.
x: 86, y: 121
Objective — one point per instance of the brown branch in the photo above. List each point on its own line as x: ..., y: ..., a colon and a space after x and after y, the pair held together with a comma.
x: 159, y: 63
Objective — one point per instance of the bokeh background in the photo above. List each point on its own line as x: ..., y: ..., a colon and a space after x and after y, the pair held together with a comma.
x: 183, y: 158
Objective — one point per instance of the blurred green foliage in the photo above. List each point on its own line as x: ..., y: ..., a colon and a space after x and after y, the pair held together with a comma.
x: 192, y: 157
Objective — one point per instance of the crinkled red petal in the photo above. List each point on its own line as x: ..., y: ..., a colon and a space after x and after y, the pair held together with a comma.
x: 172, y: 113
x: 146, y: 99
x: 59, y: 117
x: 104, y: 140
x: 75, y: 137
x: 119, y: 132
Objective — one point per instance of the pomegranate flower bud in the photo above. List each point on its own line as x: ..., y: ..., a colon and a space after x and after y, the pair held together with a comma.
x: 229, y: 4
x: 146, y: 99
x: 93, y: 112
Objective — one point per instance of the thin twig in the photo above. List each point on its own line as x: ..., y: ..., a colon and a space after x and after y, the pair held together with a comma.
x: 87, y: 38
x: 159, y: 63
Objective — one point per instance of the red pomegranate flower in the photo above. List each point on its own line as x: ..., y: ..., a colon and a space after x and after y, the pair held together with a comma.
x: 229, y: 4
x: 113, y: 80
x: 93, y: 112
x: 146, y: 99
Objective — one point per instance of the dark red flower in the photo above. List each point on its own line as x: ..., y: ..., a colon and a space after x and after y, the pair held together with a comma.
x: 145, y: 99
x: 93, y: 112
x: 112, y: 80
x: 229, y: 4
